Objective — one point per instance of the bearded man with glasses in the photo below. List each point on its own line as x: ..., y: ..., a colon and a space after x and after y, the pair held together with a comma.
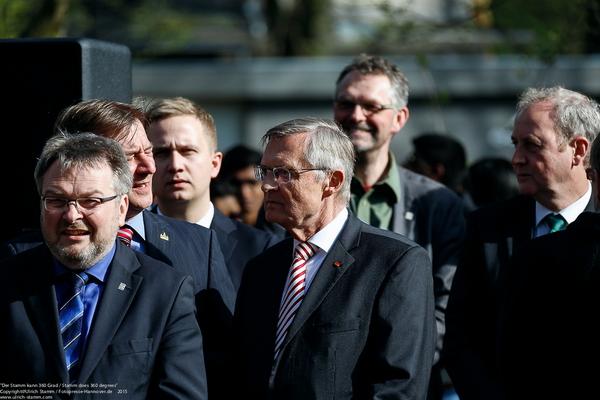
x: 371, y: 105
x: 82, y: 309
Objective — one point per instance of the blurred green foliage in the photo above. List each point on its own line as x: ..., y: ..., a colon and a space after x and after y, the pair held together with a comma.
x: 541, y: 28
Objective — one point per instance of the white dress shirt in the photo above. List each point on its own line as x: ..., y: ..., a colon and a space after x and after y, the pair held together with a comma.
x: 570, y: 213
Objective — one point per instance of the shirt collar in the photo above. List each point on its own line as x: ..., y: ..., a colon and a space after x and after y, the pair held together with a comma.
x: 391, y: 179
x: 137, y: 224
x: 325, y: 237
x: 98, y: 270
x: 206, y: 219
x: 569, y: 213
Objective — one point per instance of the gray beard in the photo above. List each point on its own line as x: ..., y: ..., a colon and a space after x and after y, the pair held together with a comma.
x: 81, y: 260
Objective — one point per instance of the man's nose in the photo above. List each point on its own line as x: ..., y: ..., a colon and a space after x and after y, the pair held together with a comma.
x: 72, y: 213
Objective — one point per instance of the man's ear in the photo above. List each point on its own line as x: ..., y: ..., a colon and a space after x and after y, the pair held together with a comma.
x: 123, y: 206
x: 580, y: 146
x: 400, y: 119
x: 333, y: 183
x: 217, y: 159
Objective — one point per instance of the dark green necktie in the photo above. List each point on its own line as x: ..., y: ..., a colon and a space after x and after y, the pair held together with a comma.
x: 555, y: 222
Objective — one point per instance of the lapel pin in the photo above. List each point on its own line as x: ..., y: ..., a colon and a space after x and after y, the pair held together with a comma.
x: 164, y: 236
x: 122, y: 286
x: 337, y: 264
x: 409, y: 215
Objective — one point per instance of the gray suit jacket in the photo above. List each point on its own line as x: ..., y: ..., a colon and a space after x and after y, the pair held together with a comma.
x: 364, y: 330
x: 432, y: 215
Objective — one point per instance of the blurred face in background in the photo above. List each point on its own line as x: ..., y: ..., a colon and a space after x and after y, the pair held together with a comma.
x: 251, y: 195
x: 364, y: 109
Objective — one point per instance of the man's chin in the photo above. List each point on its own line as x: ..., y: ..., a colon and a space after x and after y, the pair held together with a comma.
x: 138, y: 203
x: 361, y: 146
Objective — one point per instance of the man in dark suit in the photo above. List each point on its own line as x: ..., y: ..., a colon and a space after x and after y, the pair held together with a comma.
x: 184, y: 139
x: 193, y: 250
x: 75, y: 310
x: 548, y: 334
x: 552, y: 133
x: 371, y: 105
x: 342, y: 309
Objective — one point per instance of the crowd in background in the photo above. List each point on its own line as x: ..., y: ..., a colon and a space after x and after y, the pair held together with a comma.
x: 318, y: 267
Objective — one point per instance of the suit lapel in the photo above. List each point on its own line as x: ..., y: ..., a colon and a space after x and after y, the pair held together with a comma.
x: 43, y: 311
x: 121, y: 287
x: 335, y: 264
x: 525, y: 223
x: 223, y: 226
x: 157, y: 238
x: 404, y: 215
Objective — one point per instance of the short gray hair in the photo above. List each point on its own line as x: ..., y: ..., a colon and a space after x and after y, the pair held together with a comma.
x: 85, y: 150
x: 375, y: 65
x: 574, y: 114
x: 327, y: 147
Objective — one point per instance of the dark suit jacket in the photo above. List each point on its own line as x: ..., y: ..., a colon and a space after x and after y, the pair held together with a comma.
x: 494, y: 234
x: 145, y: 338
x: 433, y: 216
x: 549, y: 335
x: 239, y: 243
x: 193, y: 250
x: 365, y: 328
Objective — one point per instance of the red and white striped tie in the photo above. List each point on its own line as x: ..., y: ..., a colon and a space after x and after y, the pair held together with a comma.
x: 294, y: 292
x: 125, y: 234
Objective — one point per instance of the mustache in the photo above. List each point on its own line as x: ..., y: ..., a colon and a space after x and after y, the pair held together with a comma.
x: 78, y: 225
x: 360, y: 126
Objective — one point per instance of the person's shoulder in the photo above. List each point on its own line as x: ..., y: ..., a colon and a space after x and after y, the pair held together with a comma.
x: 178, y: 226
x: 384, y: 235
x: 252, y: 233
x: 500, y: 210
x: 421, y: 186
x: 23, y: 241
x: 149, y: 267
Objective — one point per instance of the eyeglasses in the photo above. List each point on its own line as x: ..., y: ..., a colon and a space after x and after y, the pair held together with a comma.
x: 368, y: 109
x: 85, y: 205
x: 280, y: 174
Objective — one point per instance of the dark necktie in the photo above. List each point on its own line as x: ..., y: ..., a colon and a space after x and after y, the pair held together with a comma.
x: 294, y: 292
x: 125, y: 235
x: 71, y: 322
x: 555, y: 222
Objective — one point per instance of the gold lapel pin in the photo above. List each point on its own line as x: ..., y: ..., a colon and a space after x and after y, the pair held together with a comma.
x: 164, y: 236
x: 337, y: 264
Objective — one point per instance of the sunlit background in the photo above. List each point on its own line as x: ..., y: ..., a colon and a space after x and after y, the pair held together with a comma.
x: 255, y: 63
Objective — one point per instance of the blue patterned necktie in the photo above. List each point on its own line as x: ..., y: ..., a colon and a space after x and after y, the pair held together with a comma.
x: 555, y: 222
x: 71, y: 323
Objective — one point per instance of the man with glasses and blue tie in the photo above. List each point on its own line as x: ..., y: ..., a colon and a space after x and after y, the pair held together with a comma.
x: 341, y: 309
x: 371, y: 105
x: 83, y: 309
